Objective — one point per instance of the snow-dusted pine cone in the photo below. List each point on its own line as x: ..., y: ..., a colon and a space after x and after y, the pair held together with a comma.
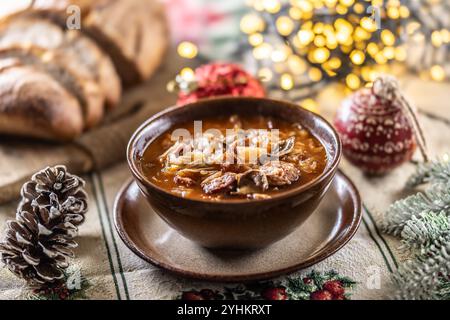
x: 38, y: 243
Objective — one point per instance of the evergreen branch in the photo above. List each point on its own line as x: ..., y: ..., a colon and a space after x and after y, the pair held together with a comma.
x: 443, y: 290
x: 422, y: 222
x: 436, y: 199
x: 421, y: 231
x: 434, y: 172
x: 425, y: 277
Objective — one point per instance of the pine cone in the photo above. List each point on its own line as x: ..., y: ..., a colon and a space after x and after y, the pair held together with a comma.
x: 38, y: 243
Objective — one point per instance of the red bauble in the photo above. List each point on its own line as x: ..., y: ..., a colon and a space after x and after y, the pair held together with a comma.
x: 376, y: 133
x: 221, y: 79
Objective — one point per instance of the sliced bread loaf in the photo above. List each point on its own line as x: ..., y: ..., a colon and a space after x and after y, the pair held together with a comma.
x: 86, y: 91
x: 27, y: 29
x: 34, y: 104
x: 132, y: 32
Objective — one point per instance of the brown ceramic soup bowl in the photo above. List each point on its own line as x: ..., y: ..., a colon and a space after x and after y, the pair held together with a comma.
x: 236, y: 223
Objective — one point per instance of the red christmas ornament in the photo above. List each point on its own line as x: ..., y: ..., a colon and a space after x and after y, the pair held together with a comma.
x: 218, y: 79
x: 378, y: 127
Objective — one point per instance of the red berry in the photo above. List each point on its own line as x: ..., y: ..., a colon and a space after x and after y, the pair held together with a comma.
x: 307, y: 280
x: 334, y: 287
x: 191, y: 295
x: 221, y: 79
x: 274, y: 293
x: 321, y: 295
x: 207, y: 294
x: 376, y: 134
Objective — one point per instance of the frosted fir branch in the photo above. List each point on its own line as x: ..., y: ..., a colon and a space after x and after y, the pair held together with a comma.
x: 422, y: 231
x: 434, y: 172
x: 443, y: 290
x: 436, y: 199
x: 426, y: 276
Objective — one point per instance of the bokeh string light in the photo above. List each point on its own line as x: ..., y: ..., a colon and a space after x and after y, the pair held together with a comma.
x: 428, y: 41
x: 305, y: 43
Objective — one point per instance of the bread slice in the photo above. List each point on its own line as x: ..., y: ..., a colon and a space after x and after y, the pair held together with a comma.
x: 132, y: 32
x: 34, y: 104
x: 57, y: 65
x: 25, y: 30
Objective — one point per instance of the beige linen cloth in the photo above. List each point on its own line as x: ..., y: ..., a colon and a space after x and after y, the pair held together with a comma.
x: 112, y: 271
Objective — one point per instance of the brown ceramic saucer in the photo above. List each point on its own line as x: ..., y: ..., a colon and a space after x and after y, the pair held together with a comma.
x: 326, y: 231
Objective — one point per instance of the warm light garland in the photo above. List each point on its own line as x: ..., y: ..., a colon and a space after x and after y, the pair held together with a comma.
x: 303, y: 42
x: 429, y: 38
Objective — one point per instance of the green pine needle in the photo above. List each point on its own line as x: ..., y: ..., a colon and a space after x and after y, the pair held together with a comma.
x: 421, y: 231
x: 435, y: 199
x: 434, y: 172
x: 422, y: 222
x: 426, y: 276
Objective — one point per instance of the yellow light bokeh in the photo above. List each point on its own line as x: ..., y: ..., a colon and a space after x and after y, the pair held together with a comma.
x: 387, y: 37
x: 265, y: 74
x: 251, y: 23
x: 372, y: 48
x: 393, y: 13
x: 272, y: 6
x: 437, y: 73
x: 349, y: 47
x: 368, y: 24
x: 284, y: 25
x: 404, y: 12
x: 380, y: 58
x: 335, y: 63
x: 352, y: 81
x: 255, y: 39
x: 296, y: 64
x: 305, y: 37
x: 315, y: 74
x: 346, y: 3
x: 318, y: 27
x: 358, y: 8
x: 357, y: 57
x: 436, y: 38
x: 310, y: 104
x: 187, y: 74
x: 389, y: 53
x: 263, y: 51
x: 320, y: 41
x: 286, y: 81
x: 295, y: 13
x: 321, y: 55
x: 400, y: 54
x: 278, y: 55
x: 187, y: 50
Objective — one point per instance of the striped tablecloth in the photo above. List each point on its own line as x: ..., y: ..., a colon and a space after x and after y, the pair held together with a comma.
x: 109, y: 270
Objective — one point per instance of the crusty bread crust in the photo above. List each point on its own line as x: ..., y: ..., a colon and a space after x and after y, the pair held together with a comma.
x: 85, y: 90
x: 60, y: 81
x: 28, y: 29
x: 34, y: 104
x: 132, y: 32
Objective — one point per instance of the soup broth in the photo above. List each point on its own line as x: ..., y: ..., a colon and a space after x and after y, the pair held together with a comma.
x: 234, y: 158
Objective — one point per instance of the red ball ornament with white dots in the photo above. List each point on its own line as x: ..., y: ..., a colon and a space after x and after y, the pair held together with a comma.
x: 218, y: 79
x: 378, y: 127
